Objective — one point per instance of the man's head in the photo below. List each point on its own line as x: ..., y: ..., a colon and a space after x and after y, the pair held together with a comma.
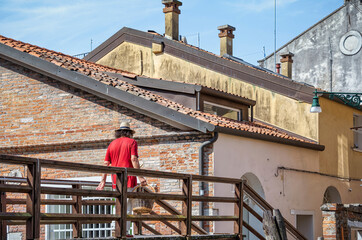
x: 124, y: 131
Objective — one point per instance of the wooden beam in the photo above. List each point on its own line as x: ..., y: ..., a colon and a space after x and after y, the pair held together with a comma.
x: 174, y: 211
x: 156, y: 218
x: 215, y: 218
x: 78, y: 192
x: 253, y: 231
x: 157, y: 196
x: 170, y: 225
x: 214, y: 199
x: 121, y: 204
x: 79, y: 217
x: 151, y: 229
x: 33, y: 201
x: 187, y: 206
x: 77, y: 209
x: 14, y: 216
x: 14, y: 188
x: 238, y: 209
x: 3, y: 228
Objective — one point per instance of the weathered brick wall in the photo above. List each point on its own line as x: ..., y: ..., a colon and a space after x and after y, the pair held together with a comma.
x: 43, y: 118
x: 337, y: 219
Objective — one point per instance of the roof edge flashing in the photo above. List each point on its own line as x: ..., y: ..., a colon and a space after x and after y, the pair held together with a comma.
x: 269, y: 138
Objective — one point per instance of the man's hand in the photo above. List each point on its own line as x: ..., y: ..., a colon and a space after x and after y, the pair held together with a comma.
x: 101, y: 185
x: 142, y: 181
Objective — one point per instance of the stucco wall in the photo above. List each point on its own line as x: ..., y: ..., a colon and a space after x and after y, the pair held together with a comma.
x: 270, y: 107
x: 317, y: 52
x: 301, y: 192
x: 336, y: 121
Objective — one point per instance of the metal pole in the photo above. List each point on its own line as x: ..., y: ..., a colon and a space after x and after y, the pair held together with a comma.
x: 275, y: 35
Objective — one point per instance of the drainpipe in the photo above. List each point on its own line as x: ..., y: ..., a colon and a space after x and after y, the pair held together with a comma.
x: 201, y: 170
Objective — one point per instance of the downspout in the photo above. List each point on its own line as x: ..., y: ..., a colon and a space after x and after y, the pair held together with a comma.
x: 201, y: 170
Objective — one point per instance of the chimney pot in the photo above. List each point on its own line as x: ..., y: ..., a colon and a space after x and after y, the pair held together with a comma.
x: 172, y: 12
x: 287, y: 62
x: 226, y: 39
x: 278, y: 67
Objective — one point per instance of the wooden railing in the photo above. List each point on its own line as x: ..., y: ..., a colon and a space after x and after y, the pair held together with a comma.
x: 33, y: 186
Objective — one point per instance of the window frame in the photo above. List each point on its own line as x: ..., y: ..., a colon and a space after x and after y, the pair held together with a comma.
x: 239, y: 112
x: 48, y: 207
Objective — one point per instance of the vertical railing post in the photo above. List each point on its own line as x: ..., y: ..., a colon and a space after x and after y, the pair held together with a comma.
x: 187, y: 206
x: 77, y: 209
x: 121, y: 204
x: 138, y: 230
x: 33, y: 201
x: 238, y: 209
x: 3, y: 232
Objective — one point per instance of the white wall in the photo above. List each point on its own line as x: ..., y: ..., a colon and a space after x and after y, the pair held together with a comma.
x: 289, y: 191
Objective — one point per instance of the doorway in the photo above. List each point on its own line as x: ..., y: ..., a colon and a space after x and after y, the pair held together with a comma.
x: 305, y: 225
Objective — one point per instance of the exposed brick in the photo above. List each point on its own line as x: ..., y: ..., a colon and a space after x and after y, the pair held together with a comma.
x: 43, y: 118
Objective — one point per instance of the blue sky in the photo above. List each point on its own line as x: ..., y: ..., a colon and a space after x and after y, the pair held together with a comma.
x: 69, y: 25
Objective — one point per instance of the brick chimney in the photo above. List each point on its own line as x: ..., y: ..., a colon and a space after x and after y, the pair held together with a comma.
x: 287, y: 63
x: 171, y: 18
x: 226, y: 39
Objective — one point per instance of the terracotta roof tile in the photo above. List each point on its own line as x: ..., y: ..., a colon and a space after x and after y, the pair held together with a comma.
x: 98, y: 72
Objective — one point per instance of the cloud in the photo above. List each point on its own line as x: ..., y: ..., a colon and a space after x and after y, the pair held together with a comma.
x: 54, y: 24
x: 258, y: 5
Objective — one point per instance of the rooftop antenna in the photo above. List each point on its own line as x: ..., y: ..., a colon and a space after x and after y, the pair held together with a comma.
x: 275, y: 35
x: 264, y: 52
x: 198, y: 40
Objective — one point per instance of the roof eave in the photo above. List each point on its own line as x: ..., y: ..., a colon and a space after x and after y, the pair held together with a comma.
x: 270, y: 138
x: 133, y: 102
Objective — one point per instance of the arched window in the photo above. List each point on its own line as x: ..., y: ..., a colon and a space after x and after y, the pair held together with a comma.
x: 331, y: 195
x: 254, y: 182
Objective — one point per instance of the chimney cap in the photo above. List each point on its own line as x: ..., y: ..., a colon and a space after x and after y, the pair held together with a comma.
x: 226, y: 27
x: 178, y: 3
x: 286, y: 54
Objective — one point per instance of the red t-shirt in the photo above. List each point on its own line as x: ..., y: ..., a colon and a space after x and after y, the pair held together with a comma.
x: 119, y: 154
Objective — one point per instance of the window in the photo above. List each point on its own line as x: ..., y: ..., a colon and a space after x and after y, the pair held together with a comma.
x: 90, y: 231
x: 223, y: 111
x: 94, y: 230
x: 357, y: 132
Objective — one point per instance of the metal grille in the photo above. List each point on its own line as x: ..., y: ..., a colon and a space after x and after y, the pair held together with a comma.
x: 65, y: 231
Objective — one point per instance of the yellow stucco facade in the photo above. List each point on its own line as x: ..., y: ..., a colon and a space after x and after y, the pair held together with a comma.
x: 270, y: 107
x: 330, y: 128
x: 339, y: 157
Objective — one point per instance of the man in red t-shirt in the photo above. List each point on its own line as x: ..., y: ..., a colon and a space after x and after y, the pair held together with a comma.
x: 122, y: 152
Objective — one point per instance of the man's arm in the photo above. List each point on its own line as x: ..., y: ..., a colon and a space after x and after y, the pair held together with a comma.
x: 104, y: 178
x: 136, y: 164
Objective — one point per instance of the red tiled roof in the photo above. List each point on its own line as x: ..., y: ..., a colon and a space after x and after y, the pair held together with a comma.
x: 98, y: 72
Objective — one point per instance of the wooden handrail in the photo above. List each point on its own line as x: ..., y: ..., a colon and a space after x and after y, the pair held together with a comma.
x: 33, y: 189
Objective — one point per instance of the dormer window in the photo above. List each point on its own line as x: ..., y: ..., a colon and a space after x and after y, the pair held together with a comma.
x: 223, y: 111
